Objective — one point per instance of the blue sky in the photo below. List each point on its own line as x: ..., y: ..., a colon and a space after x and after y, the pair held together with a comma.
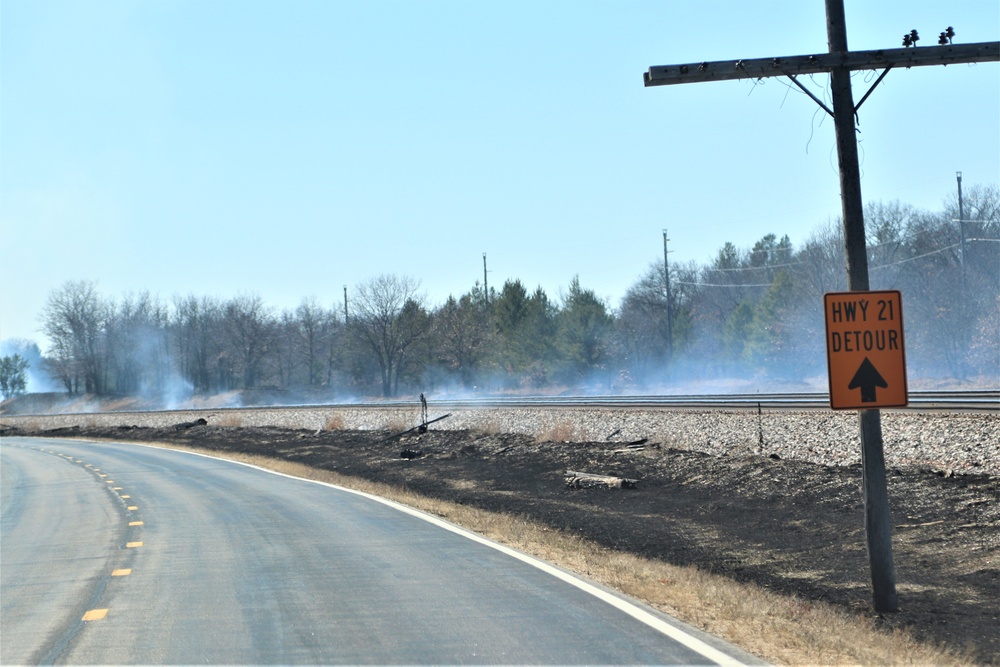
x: 287, y: 149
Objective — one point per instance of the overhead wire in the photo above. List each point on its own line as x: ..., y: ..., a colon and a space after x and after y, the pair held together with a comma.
x: 872, y: 268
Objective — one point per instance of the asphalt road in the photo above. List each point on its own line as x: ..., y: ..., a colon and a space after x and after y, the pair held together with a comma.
x: 122, y: 554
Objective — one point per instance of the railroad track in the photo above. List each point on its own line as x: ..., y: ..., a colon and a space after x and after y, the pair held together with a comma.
x: 972, y: 401
x: 933, y: 401
x: 982, y: 402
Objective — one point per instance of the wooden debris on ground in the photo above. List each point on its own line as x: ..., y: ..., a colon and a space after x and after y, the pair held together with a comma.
x: 585, y: 480
x: 636, y: 446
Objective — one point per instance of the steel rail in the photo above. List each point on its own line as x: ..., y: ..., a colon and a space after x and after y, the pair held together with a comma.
x: 987, y: 401
x: 979, y: 401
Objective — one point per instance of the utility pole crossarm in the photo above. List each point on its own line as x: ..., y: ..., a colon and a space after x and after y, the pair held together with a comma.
x: 758, y: 68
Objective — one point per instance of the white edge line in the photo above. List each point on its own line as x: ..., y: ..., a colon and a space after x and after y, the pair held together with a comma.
x: 641, y: 615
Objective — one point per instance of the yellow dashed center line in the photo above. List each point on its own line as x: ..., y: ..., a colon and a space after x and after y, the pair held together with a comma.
x: 99, y: 614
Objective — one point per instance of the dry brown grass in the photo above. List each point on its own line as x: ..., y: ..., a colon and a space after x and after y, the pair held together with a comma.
x: 562, y: 431
x: 488, y: 427
x: 31, y: 425
x: 669, y: 440
x: 396, y: 426
x: 228, y: 420
x: 118, y: 405
x: 334, y: 422
x: 780, y: 629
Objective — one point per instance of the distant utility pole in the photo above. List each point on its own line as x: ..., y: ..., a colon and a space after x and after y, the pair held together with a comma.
x: 964, y: 301
x: 839, y: 63
x: 486, y: 287
x: 961, y: 228
x: 345, y: 304
x: 666, y: 280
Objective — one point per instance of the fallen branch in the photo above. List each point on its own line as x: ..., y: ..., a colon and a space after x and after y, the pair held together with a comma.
x: 586, y: 480
x: 919, y: 525
x: 420, y: 427
x: 634, y: 446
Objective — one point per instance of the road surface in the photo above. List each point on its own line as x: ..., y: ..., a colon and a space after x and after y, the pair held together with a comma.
x: 122, y: 554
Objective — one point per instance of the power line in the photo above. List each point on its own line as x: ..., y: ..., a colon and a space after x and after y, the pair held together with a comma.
x: 759, y: 268
x: 910, y: 259
x: 681, y: 282
x: 878, y: 266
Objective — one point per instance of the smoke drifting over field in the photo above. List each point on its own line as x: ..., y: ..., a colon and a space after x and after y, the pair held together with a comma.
x: 37, y: 378
x: 751, y: 320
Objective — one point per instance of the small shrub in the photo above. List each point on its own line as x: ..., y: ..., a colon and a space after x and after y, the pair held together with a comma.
x: 559, y: 432
x: 396, y: 426
x: 334, y: 422
x: 488, y: 427
x: 31, y: 426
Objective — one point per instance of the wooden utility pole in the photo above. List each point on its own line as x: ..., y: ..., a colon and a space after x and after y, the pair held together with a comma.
x: 486, y: 287
x: 839, y: 63
x: 961, y: 229
x: 666, y: 280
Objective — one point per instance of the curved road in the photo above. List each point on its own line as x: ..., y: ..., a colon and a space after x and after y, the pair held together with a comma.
x: 116, y: 553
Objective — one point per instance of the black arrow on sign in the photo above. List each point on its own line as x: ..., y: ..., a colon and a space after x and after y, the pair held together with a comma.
x: 866, y: 379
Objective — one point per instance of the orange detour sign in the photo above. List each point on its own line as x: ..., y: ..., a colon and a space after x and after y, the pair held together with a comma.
x: 864, y: 349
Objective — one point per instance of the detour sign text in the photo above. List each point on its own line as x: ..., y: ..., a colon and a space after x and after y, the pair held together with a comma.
x: 865, y: 355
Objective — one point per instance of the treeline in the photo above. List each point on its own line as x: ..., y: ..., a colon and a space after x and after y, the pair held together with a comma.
x: 753, y: 312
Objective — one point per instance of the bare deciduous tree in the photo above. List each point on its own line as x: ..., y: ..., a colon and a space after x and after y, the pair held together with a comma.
x: 378, y: 322
x: 249, y: 327
x: 74, y: 318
